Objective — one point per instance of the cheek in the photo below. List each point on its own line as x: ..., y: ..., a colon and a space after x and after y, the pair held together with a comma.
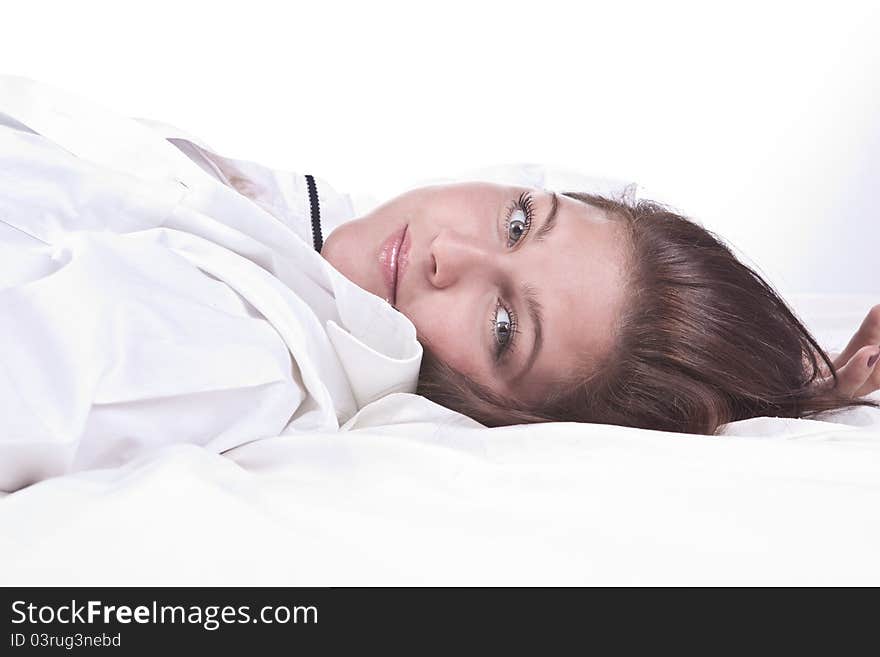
x: 449, y: 329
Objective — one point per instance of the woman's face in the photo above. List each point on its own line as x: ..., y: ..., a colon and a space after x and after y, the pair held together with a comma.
x: 511, y: 286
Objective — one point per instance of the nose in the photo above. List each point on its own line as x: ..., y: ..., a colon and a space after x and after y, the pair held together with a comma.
x: 452, y: 256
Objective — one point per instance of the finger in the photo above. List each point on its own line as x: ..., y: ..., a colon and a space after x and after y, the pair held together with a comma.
x: 857, y: 372
x: 868, y: 334
x: 872, y: 384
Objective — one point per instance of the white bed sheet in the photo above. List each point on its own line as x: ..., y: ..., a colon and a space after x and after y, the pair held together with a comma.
x: 434, y: 500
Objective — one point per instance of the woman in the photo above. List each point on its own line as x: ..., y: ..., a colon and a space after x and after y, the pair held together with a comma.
x: 154, y: 291
x: 536, y: 306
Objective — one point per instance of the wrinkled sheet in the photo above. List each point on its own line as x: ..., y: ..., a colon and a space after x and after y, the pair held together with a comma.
x: 428, y: 498
x: 145, y: 302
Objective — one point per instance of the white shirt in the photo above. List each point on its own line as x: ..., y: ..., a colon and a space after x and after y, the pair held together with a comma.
x: 144, y: 300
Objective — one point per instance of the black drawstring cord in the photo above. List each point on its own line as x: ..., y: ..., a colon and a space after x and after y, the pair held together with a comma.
x: 317, y: 238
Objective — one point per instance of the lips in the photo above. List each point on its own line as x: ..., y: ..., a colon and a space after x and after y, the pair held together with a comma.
x: 393, y: 259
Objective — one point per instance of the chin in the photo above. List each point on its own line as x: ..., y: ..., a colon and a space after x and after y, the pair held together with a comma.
x: 336, y: 251
x: 347, y: 261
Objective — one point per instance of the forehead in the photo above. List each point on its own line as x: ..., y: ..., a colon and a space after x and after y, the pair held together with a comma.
x: 578, y: 274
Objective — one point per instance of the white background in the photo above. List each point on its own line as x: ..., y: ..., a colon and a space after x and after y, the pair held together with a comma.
x: 760, y: 120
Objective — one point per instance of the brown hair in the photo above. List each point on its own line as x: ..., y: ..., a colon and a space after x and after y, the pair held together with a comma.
x: 702, y: 340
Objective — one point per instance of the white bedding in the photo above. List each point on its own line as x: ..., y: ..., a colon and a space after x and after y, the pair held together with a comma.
x: 409, y: 493
x: 144, y: 300
x: 433, y: 500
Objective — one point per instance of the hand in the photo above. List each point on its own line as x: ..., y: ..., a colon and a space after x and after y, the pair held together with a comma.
x: 855, y: 377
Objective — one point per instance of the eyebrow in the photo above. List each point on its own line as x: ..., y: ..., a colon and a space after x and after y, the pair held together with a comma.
x: 550, y: 221
x: 535, y: 312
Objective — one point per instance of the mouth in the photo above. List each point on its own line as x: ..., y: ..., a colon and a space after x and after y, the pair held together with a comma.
x: 393, y: 259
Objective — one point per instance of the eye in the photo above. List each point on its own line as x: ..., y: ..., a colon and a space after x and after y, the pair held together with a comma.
x: 519, y: 219
x: 503, y: 325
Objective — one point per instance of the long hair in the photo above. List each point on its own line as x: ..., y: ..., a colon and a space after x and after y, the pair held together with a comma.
x: 702, y: 340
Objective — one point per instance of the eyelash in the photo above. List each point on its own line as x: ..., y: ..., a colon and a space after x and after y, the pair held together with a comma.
x: 524, y: 203
x: 503, y: 349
